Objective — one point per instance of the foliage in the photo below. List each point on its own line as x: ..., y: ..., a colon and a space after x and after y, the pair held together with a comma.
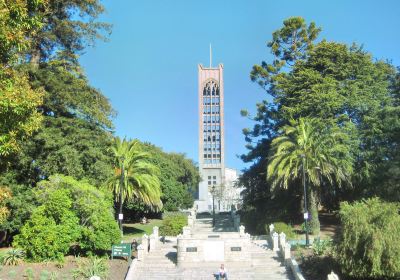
x: 172, y: 225
x: 330, y: 83
x: 368, y: 243
x: 134, y: 176
x: 92, y: 266
x: 71, y: 213
x: 69, y: 26
x: 5, y: 194
x: 322, y: 247
x: 282, y: 227
x: 179, y: 177
x: 321, y: 150
x: 51, y: 230
x: 13, y: 257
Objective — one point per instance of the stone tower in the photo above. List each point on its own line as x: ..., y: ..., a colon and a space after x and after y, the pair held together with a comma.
x: 211, y: 133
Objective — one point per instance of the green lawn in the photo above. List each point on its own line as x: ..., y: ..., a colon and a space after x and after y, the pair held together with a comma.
x: 136, y: 231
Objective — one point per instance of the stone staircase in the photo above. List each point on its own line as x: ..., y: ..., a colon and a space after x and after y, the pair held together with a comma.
x: 161, y: 263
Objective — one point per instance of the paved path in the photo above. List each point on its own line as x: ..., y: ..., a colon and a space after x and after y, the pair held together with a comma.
x: 161, y: 263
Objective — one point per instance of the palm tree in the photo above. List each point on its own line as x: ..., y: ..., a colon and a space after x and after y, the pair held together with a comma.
x: 134, y: 177
x: 320, y: 152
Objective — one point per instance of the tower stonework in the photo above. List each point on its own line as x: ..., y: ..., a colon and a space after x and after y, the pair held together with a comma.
x: 211, y: 133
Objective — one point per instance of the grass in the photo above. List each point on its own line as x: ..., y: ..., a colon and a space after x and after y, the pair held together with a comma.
x: 136, y: 231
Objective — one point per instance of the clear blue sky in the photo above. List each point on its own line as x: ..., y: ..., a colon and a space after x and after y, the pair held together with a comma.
x: 148, y: 69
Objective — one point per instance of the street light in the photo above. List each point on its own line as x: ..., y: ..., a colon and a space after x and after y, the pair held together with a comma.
x: 305, y: 199
x: 213, y: 195
x: 120, y: 215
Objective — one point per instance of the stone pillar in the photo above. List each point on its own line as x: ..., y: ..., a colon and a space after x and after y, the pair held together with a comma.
x: 186, y: 231
x: 275, y: 241
x: 152, y: 240
x: 241, y: 230
x: 332, y: 276
x: 282, y: 241
x: 155, y: 232
x: 271, y: 228
x: 190, y: 221
x: 140, y: 252
x: 145, y: 243
x: 286, y: 254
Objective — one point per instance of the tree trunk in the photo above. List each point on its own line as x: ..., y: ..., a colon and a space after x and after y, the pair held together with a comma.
x: 314, y: 224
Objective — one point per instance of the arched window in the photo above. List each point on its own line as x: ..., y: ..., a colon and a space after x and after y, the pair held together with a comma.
x: 211, y: 88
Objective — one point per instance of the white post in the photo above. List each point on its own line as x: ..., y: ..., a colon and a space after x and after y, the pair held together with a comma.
x: 186, y: 231
x: 271, y: 228
x: 332, y: 276
x: 275, y: 240
x: 287, y: 251
x: 190, y: 221
x: 152, y: 240
x: 282, y: 241
x: 145, y: 243
x: 155, y: 232
x: 241, y: 230
x: 140, y: 252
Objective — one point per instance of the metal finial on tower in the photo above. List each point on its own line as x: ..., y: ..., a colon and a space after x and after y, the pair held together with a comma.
x: 210, y: 56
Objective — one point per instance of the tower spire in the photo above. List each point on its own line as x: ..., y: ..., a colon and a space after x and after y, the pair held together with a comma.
x: 210, y: 56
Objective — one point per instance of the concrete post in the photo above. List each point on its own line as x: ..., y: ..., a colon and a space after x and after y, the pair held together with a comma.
x: 190, y: 221
x: 287, y: 251
x: 145, y: 243
x: 186, y: 231
x: 282, y: 241
x: 332, y: 276
x: 152, y: 240
x: 140, y: 252
x: 155, y: 232
x: 271, y: 228
x: 241, y: 230
x: 275, y: 241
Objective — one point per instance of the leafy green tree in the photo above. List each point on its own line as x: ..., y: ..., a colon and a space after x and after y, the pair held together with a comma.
x: 69, y: 26
x: 323, y: 153
x: 51, y: 230
x: 134, y: 177
x: 179, y: 177
x: 367, y: 240
x: 18, y: 101
x: 70, y: 214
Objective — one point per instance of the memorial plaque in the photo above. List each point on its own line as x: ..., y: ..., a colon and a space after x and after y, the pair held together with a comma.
x: 213, y: 236
x: 191, y: 249
x: 236, y: 249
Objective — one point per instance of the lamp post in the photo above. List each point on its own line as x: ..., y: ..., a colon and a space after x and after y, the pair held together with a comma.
x: 213, y: 209
x: 121, y: 184
x: 305, y: 199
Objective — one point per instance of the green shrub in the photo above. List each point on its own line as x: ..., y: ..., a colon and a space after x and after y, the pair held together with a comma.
x: 322, y: 247
x: 71, y: 213
x: 282, y: 227
x: 29, y: 273
x: 369, y: 240
x: 172, y: 225
x: 13, y: 257
x: 92, y: 266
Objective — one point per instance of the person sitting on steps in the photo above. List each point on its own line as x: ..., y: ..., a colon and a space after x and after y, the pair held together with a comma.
x: 222, y: 273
